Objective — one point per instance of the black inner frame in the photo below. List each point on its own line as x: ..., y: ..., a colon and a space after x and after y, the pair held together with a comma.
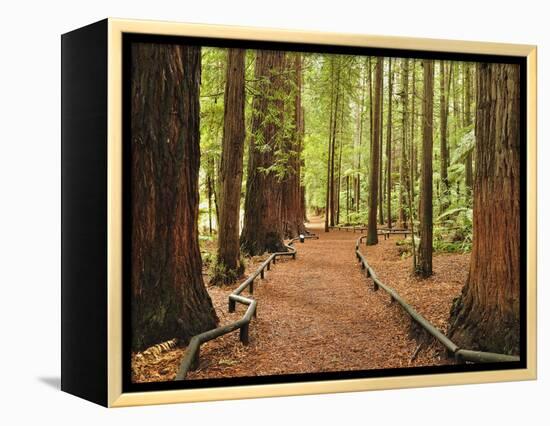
x: 129, y: 38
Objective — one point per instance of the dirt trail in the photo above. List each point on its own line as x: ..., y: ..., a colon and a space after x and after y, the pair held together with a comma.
x: 317, y: 313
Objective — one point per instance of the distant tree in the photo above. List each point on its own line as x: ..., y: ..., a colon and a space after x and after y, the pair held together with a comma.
x: 425, y: 249
x: 168, y: 294
x: 486, y: 315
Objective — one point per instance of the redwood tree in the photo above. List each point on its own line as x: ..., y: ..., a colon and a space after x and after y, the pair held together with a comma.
x: 424, y: 266
x: 168, y: 294
x: 293, y: 215
x: 372, y: 234
x: 486, y: 315
x: 263, y: 229
x: 403, y: 158
x: 229, y: 266
x: 444, y: 85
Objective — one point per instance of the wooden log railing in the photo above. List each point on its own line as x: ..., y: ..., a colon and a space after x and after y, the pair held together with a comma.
x: 460, y: 354
x: 191, y: 358
x: 385, y: 232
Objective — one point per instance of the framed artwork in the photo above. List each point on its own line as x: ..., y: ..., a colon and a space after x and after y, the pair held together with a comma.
x: 253, y: 212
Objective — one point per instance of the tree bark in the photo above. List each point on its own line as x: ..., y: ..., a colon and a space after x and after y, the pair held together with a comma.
x: 372, y: 234
x: 444, y: 85
x: 331, y: 124
x: 168, y: 294
x: 293, y: 216
x: 486, y: 315
x: 229, y: 266
x: 381, y: 155
x: 468, y: 116
x: 424, y: 267
x: 389, y: 144
x: 403, y: 158
x: 263, y: 229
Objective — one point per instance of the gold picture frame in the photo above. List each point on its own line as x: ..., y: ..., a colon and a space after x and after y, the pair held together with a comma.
x: 115, y: 30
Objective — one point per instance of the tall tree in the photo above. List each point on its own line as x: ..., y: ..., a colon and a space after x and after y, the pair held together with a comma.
x: 263, y: 229
x: 381, y: 155
x: 333, y: 144
x: 468, y: 121
x: 486, y: 315
x: 389, y: 144
x: 424, y: 266
x: 328, y: 201
x: 374, y: 175
x: 444, y: 85
x: 403, y: 157
x: 168, y: 294
x: 229, y: 266
x: 293, y: 216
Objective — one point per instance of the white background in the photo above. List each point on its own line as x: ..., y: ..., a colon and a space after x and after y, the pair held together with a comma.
x: 30, y: 211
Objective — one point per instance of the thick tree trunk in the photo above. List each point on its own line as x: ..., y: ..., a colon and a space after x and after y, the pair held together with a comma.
x: 229, y: 266
x: 486, y: 315
x: 424, y: 267
x: 372, y: 234
x: 263, y: 229
x: 403, y: 158
x: 293, y: 216
x: 168, y: 294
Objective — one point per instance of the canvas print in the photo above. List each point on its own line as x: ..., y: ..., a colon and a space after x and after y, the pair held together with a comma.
x: 298, y: 213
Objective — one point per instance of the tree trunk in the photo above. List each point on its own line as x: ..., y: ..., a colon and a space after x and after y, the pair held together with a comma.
x: 486, y: 315
x: 229, y: 266
x: 372, y: 234
x: 444, y: 85
x: 293, y: 217
x: 263, y: 230
x: 468, y: 115
x: 168, y: 294
x: 388, y: 144
x: 331, y: 124
x: 403, y: 159
x: 381, y: 154
x: 424, y: 267
x: 333, y: 150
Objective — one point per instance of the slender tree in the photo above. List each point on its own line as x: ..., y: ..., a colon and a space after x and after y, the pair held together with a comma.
x: 263, y: 229
x: 328, y: 200
x: 403, y: 158
x: 424, y: 266
x: 486, y: 315
x: 374, y: 175
x: 389, y: 144
x: 229, y: 266
x: 444, y: 84
x: 381, y: 153
x: 468, y: 121
x: 168, y: 294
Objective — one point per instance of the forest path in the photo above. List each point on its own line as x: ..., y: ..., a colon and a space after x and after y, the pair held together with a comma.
x: 317, y: 313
